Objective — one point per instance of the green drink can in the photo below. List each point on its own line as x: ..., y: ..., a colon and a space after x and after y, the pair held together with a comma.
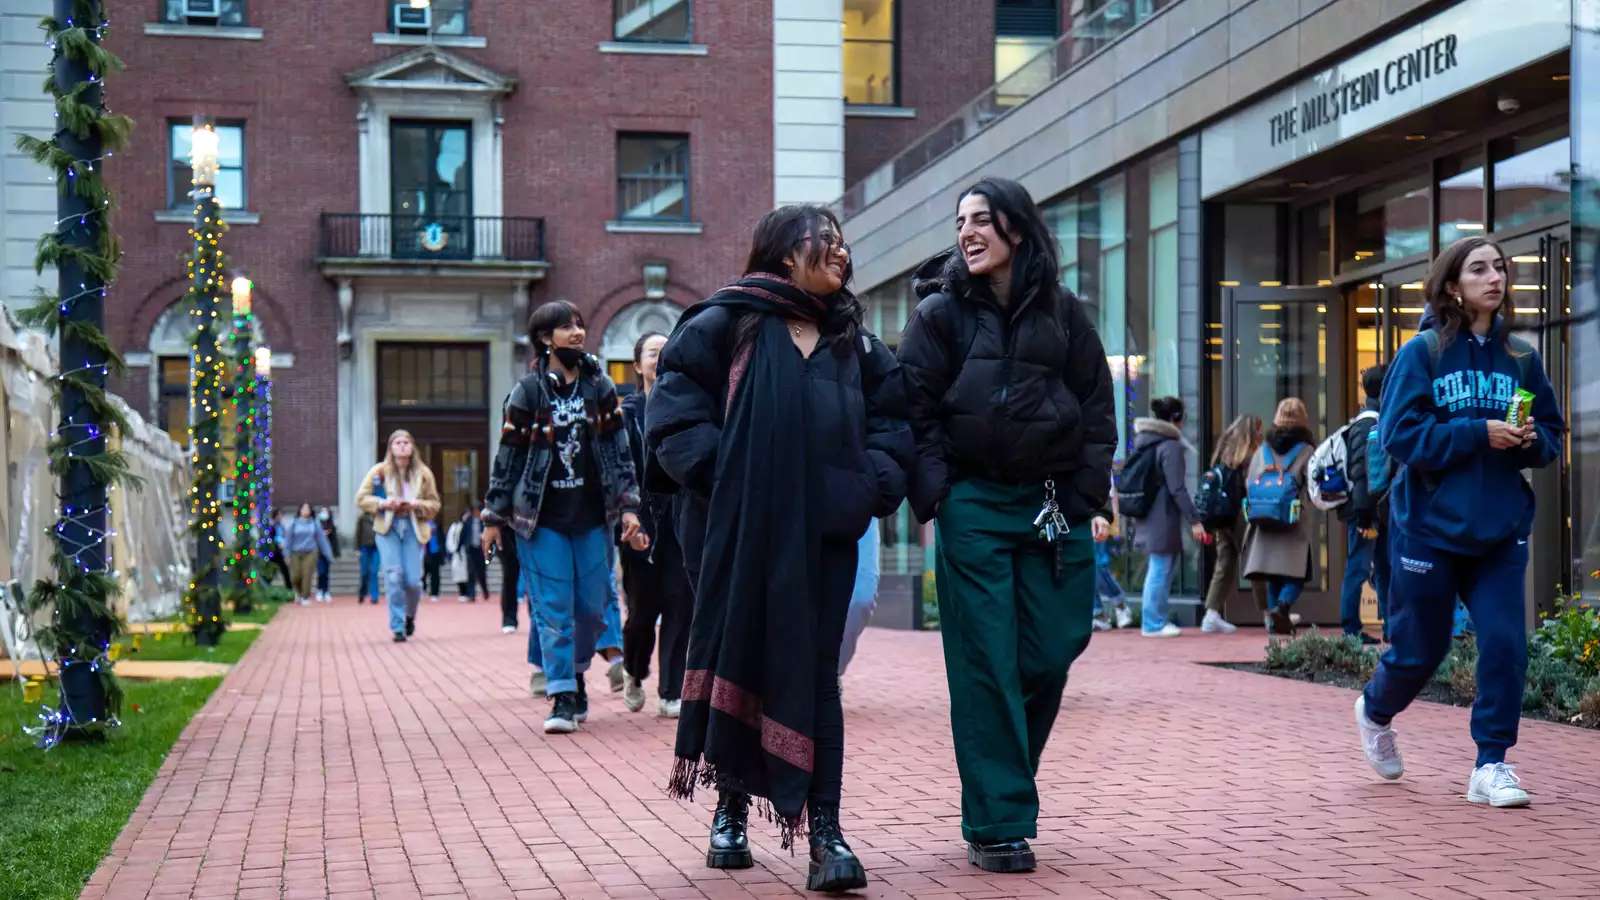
x: 1520, y: 409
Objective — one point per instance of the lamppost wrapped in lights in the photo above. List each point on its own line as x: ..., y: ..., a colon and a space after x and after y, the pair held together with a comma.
x: 244, y: 564
x: 266, y: 550
x: 208, y: 368
x: 241, y: 296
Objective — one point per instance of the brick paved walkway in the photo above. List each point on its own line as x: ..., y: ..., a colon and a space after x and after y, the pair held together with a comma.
x: 332, y: 763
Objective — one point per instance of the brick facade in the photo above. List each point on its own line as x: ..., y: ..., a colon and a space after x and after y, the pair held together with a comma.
x: 559, y: 133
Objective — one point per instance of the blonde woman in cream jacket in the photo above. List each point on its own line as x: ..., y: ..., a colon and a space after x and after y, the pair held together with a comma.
x: 403, y: 499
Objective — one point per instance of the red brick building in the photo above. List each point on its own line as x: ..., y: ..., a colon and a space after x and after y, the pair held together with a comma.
x: 405, y: 185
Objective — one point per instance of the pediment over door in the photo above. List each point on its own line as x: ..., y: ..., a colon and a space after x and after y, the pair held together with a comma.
x: 430, y: 69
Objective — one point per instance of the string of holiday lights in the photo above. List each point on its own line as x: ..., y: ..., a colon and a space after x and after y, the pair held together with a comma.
x: 244, y: 565
x: 265, y: 549
x: 79, y: 594
x: 208, y: 367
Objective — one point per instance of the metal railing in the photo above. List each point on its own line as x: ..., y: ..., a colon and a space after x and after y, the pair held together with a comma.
x: 379, y: 236
x: 1088, y: 36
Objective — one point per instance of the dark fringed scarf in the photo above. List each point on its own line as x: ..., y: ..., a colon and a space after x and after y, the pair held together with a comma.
x: 748, y: 716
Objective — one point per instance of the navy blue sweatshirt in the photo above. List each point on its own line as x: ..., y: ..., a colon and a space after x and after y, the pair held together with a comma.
x: 1455, y: 493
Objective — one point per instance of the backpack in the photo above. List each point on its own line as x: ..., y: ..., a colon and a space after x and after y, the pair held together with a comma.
x: 1217, y: 500
x: 1372, y: 483
x: 1140, y: 482
x: 1333, y: 472
x: 1272, y: 500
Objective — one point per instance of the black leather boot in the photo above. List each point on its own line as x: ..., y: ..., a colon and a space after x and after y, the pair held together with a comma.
x: 1002, y: 856
x: 834, y: 867
x: 730, y: 845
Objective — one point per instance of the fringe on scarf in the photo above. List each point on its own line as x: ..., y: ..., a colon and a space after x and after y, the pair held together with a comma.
x: 689, y: 774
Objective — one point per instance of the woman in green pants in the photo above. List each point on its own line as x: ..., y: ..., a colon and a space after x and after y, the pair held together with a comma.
x: 1011, y: 404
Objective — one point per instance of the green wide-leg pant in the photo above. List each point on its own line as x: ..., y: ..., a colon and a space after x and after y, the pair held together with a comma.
x: 1011, y: 629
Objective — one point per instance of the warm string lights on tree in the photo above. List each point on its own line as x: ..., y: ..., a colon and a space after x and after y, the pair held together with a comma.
x: 244, y: 563
x: 208, y: 368
x: 80, y: 593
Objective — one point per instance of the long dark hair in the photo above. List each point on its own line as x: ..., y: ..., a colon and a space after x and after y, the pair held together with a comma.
x: 1035, y: 263
x: 547, y: 318
x: 781, y: 233
x: 638, y: 346
x: 1452, y: 316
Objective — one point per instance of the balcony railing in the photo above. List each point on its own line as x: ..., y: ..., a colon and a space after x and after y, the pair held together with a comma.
x: 465, y: 238
x: 1089, y: 34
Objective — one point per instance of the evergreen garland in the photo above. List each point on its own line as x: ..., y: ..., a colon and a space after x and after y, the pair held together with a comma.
x: 243, y: 563
x: 208, y: 366
x: 80, y: 597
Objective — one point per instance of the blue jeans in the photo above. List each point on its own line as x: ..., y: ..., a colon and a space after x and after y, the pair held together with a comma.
x: 863, y: 596
x: 1105, y: 583
x: 1157, y: 589
x: 1283, y: 592
x: 1425, y: 588
x: 370, y: 584
x: 1360, y: 567
x: 611, y: 637
x: 567, y: 581
x: 401, y: 555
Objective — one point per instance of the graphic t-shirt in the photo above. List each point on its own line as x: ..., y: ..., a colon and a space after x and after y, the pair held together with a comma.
x: 572, y: 502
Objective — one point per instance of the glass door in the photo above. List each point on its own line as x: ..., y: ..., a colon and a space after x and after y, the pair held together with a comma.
x: 1289, y: 342
x: 430, y: 175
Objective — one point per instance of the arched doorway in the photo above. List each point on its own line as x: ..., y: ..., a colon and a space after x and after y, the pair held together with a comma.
x: 624, y: 330
x: 169, y: 348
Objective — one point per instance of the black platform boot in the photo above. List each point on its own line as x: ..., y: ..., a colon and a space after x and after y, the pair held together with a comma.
x: 730, y: 845
x: 834, y: 867
x: 1002, y: 856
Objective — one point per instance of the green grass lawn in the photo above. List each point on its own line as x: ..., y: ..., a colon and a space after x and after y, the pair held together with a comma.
x: 180, y: 645
x: 60, y: 810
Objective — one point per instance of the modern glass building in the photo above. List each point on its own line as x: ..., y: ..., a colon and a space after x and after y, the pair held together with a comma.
x: 1248, y: 195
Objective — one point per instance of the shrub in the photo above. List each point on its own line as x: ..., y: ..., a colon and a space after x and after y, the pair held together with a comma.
x: 1572, y: 635
x: 1315, y: 652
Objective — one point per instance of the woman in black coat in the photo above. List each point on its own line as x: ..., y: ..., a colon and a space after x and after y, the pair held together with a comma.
x: 1011, y: 403
x: 780, y: 420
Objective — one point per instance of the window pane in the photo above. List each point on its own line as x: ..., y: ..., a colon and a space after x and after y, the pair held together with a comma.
x: 232, y: 12
x: 230, y: 146
x: 869, y: 52
x: 449, y: 16
x: 230, y: 189
x: 652, y: 177
x: 180, y: 143
x: 1387, y: 222
x: 1163, y: 248
x: 1532, y: 174
x: 1460, y: 198
x: 1316, y: 256
x: 1062, y: 217
x: 652, y: 20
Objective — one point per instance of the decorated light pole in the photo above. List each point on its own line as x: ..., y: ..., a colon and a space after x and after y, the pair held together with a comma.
x: 265, y: 549
x: 207, y: 367
x: 244, y: 564
x: 79, y: 594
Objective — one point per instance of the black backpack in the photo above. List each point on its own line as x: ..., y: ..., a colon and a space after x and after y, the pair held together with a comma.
x: 1217, y: 500
x: 1140, y: 482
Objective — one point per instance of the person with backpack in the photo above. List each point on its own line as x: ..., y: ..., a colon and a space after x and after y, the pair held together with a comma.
x: 1467, y: 407
x: 1277, y: 543
x: 1013, y: 408
x: 780, y: 421
x: 1219, y: 503
x: 1157, y: 472
x: 1350, y: 476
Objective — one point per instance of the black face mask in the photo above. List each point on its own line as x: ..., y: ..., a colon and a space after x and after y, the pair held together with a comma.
x: 570, y: 357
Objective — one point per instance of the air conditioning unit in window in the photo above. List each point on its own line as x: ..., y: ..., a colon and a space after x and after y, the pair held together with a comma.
x: 410, y: 19
x: 202, y: 11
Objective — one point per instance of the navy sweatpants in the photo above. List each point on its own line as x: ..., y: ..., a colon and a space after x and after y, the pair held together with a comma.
x: 1424, y: 583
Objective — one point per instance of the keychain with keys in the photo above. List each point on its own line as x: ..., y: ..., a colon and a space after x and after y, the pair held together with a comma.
x: 1051, y: 523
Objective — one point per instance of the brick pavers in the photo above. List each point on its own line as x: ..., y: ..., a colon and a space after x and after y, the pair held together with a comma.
x: 332, y: 763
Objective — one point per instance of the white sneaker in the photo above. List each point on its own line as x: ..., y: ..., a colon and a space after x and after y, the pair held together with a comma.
x: 508, y: 629
x: 668, y: 709
x: 461, y: 599
x: 434, y: 599
x: 1099, y: 623
x: 1496, y: 784
x: 302, y: 601
x: 1378, y: 743
x: 1124, y: 616
x: 1168, y: 630
x: 1214, y: 623
x: 633, y: 694
x: 616, y: 675
x: 536, y: 683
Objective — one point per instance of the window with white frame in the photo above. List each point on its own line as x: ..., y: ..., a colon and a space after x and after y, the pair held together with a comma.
x: 653, y: 177
x: 203, y: 12
x: 230, y: 165
x: 658, y: 21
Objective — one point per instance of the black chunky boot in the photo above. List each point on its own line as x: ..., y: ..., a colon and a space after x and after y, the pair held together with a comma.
x: 1002, y: 856
x: 730, y: 844
x: 834, y: 867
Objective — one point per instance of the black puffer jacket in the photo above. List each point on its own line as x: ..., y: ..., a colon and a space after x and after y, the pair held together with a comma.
x: 1013, y: 396
x: 858, y: 429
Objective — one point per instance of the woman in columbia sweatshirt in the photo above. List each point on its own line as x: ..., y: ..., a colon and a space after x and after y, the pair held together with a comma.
x: 1461, y: 509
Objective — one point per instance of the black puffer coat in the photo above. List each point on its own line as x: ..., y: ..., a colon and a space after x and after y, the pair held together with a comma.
x: 1013, y: 396
x: 858, y: 429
